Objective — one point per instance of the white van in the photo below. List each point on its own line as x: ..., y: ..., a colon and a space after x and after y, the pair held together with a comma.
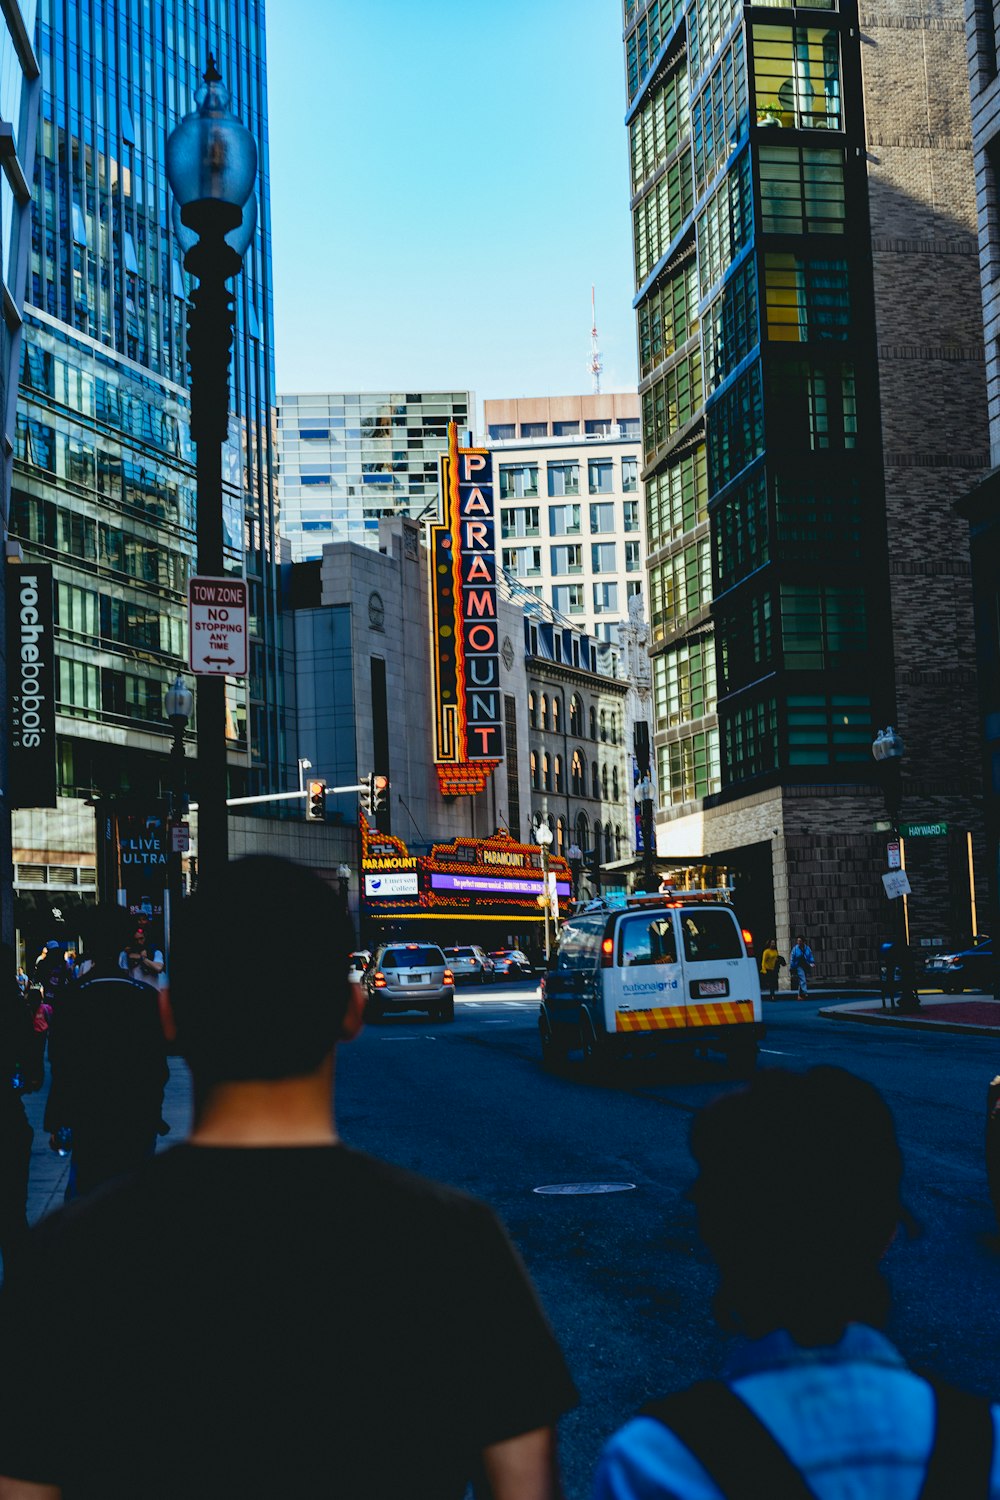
x: 671, y: 969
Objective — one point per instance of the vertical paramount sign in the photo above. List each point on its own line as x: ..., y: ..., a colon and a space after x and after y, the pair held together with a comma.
x: 465, y: 657
x: 30, y: 684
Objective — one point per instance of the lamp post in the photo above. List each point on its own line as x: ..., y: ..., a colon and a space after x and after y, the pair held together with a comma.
x: 644, y: 797
x: 178, y: 701
x: 211, y: 162
x: 543, y: 838
x: 575, y: 856
x: 888, y: 750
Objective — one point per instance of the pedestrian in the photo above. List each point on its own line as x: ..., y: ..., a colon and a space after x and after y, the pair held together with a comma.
x: 16, y: 1135
x: 264, y: 1311
x: 109, y: 1067
x: 797, y: 1198
x: 51, y: 974
x: 141, y: 959
x: 800, y: 966
x: 771, y: 965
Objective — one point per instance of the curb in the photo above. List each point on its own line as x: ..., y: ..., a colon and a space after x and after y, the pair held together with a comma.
x: 908, y: 1022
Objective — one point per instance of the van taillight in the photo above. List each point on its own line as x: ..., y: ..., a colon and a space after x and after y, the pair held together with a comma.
x: 607, y: 950
x: 449, y: 977
x: 748, y: 939
x: 379, y: 980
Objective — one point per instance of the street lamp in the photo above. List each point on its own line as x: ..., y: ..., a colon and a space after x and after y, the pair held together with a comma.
x: 575, y: 856
x: 543, y: 838
x: 211, y: 162
x: 343, y: 875
x: 178, y: 701
x: 644, y: 797
x: 888, y: 750
x: 304, y: 766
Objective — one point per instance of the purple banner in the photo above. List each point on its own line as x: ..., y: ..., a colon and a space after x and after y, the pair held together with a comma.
x: 499, y: 887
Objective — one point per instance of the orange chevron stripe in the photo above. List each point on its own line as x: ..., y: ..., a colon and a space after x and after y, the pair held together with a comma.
x: 712, y: 1013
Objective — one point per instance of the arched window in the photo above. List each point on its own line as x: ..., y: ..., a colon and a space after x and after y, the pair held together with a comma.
x: 618, y: 841
x: 534, y: 772
x: 545, y: 712
x: 556, y: 713
x: 604, y: 721
x: 593, y: 722
x: 583, y: 831
x: 614, y: 783
x: 597, y: 836
x: 595, y: 782
x: 575, y: 716
x: 546, y: 771
x: 532, y: 711
x: 577, y: 775
x: 604, y: 781
x: 560, y: 835
x: 558, y: 774
x: 609, y: 850
x: 614, y: 728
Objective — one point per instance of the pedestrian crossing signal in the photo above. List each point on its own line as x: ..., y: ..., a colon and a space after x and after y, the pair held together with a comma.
x: 316, y: 801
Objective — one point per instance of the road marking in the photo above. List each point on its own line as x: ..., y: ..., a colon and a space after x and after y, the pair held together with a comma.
x: 407, y: 1038
x: 773, y: 1052
x: 579, y: 1189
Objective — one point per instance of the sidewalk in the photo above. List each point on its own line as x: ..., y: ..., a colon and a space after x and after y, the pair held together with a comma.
x: 49, y: 1173
x: 977, y: 1015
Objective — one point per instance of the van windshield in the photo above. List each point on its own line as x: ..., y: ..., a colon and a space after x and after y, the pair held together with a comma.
x: 647, y: 940
x: 710, y: 935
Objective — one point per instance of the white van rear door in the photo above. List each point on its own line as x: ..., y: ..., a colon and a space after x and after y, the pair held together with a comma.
x: 644, y: 989
x: 721, y: 984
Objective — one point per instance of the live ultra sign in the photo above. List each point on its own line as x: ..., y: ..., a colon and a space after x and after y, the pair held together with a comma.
x: 217, y: 626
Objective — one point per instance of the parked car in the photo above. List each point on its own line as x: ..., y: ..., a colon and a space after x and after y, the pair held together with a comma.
x: 357, y: 963
x: 470, y: 964
x: 969, y: 969
x: 409, y: 976
x: 510, y: 962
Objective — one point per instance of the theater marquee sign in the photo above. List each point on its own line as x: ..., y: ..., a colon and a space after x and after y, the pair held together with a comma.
x: 465, y: 658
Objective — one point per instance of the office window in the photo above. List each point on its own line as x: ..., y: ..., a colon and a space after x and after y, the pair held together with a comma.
x: 633, y: 557
x: 578, y: 775
x: 502, y: 432
x: 630, y: 481
x: 668, y: 317
x: 602, y: 516
x: 565, y: 429
x: 310, y: 434
x: 731, y: 328
x: 677, y: 498
x: 534, y: 429
x: 546, y: 771
x: 688, y: 768
x: 532, y: 711
x: 601, y: 476
x: 822, y: 627
x: 740, y: 532
x: 719, y: 115
x: 734, y: 426
x: 566, y: 559
x: 806, y: 299
x: 725, y: 225
x: 657, y: 218
x: 628, y: 427
x: 659, y: 127
x: 801, y: 190
x: 751, y: 738
x: 598, y: 427
x: 630, y: 515
x: 567, y: 598
x: 523, y: 562
x: 708, y: 20
x: 556, y: 714
x: 602, y: 557
x: 819, y: 519
x: 520, y: 480
x: 671, y: 402
x: 633, y: 589
x: 564, y: 479
x: 522, y: 521
x: 564, y: 520
x: 643, y: 44
x: 746, y: 641
x: 680, y: 586
x: 684, y: 683
x: 797, y: 76
x: 826, y: 731
x: 559, y: 784
x: 605, y: 598
x: 820, y: 404
x: 536, y: 780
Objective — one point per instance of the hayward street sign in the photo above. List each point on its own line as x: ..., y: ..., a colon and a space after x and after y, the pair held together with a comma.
x: 922, y: 830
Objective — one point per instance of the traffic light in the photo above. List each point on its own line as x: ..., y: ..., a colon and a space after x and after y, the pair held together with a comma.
x: 379, y: 792
x: 316, y: 801
x: 365, y: 795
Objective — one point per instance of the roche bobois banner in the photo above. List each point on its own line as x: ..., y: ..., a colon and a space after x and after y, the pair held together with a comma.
x: 465, y: 657
x: 31, y: 685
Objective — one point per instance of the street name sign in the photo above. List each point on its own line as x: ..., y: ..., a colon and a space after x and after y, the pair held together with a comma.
x: 217, y: 627
x: 896, y: 884
x: 922, y: 830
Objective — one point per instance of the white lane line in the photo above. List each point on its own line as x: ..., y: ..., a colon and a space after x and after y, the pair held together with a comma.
x: 773, y: 1052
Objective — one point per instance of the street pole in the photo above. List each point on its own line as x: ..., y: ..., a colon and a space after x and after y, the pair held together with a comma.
x: 543, y: 837
x: 650, y: 880
x: 888, y: 751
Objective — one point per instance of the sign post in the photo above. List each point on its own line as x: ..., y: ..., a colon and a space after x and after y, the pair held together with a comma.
x: 217, y: 627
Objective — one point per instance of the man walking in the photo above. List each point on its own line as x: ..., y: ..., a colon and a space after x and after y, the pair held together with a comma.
x: 263, y: 1311
x: 800, y: 966
x: 798, y: 1199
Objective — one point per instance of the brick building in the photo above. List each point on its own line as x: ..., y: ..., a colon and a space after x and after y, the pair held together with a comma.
x: 811, y: 374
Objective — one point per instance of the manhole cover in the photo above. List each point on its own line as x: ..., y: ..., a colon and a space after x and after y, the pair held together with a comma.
x: 579, y: 1189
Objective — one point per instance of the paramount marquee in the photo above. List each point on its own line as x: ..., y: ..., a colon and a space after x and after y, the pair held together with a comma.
x: 465, y: 655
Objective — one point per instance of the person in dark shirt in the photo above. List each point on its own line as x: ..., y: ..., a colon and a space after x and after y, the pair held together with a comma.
x: 263, y: 1311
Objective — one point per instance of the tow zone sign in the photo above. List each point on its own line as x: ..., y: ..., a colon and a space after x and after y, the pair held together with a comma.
x: 217, y: 627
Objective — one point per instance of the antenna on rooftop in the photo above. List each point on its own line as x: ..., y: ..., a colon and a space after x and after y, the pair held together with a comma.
x: 596, y: 363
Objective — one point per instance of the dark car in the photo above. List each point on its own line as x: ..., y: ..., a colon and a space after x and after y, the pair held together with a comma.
x: 409, y: 976
x: 511, y: 962
x: 969, y: 969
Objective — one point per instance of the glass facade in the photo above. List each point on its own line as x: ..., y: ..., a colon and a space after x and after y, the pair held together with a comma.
x: 348, y: 461
x: 104, y: 464
x: 762, y: 477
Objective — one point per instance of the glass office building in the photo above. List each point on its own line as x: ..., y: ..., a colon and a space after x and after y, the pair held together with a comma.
x: 104, y: 469
x: 348, y: 461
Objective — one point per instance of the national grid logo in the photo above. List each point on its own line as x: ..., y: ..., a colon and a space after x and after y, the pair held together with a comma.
x: 654, y: 987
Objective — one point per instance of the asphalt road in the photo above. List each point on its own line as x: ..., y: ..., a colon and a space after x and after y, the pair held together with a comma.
x: 621, y: 1274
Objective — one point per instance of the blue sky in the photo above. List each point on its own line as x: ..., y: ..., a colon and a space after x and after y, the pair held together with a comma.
x: 447, y: 180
